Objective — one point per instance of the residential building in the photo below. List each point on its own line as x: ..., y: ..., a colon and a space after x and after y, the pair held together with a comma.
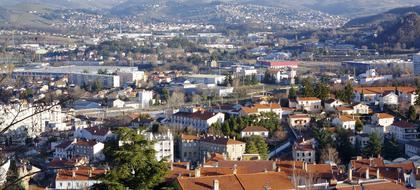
x: 347, y: 110
x: 332, y: 104
x: 304, y: 150
x: 254, y: 131
x: 360, y: 108
x: 257, y: 109
x: 197, y: 148
x: 96, y: 133
x: 78, y: 178
x: 388, y: 98
x: 404, y: 131
x: 416, y: 64
x: 412, y: 148
x: 145, y: 98
x: 373, y: 95
x: 377, y: 129
x: 362, y: 140
x: 198, y: 119
x: 77, y: 147
x: 299, y: 120
x: 310, y: 104
x: 383, y: 119
x: 163, y: 145
x: 345, y: 121
x: 273, y: 64
x: 371, y: 76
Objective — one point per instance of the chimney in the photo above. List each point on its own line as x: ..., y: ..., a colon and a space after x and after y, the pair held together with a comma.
x: 188, y: 166
x: 216, y: 185
x: 367, y: 173
x: 350, y: 174
x: 305, y: 166
x: 234, y: 137
x: 73, y: 173
x: 378, y: 173
x: 274, y: 166
x: 235, y: 169
x: 90, y: 173
x: 197, y: 172
x: 172, y: 166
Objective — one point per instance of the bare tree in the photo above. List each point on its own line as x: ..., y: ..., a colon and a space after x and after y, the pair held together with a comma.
x: 329, y: 153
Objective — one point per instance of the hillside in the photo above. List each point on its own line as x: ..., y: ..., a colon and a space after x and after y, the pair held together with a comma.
x: 405, y: 32
x: 389, y: 16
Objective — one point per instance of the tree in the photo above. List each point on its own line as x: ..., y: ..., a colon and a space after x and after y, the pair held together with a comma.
x: 257, y: 145
x: 133, y: 165
x: 176, y: 99
x: 308, y: 90
x: 322, y: 91
x: 374, y: 146
x: 215, y: 129
x: 346, y: 94
x: 228, y: 80
x: 345, y: 149
x: 359, y: 125
x: 392, y: 149
x: 329, y: 153
x: 412, y: 113
x: 292, y: 92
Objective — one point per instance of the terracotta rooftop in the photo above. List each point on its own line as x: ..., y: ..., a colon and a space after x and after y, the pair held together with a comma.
x: 189, y: 137
x: 81, y: 173
x: 254, y: 129
x: 308, y: 99
x: 219, y: 140
x: 343, y: 108
x: 381, y: 90
x: 403, y: 124
x: 384, y: 115
x: 347, y: 118
x: 99, y: 131
x: 373, y: 186
x: 296, y: 116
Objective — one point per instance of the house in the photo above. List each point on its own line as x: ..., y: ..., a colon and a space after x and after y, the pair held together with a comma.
x: 254, y: 130
x: 404, y: 131
x: 331, y: 104
x: 100, y: 134
x: 348, y: 110
x: 388, y: 98
x: 299, y: 120
x: 374, y: 94
x: 77, y: 147
x: 412, y: 148
x: 198, y: 119
x: 304, y: 151
x: 310, y: 104
x: 118, y: 103
x: 78, y: 178
x: 195, y: 148
x: 257, y: 109
x: 345, y: 121
x: 383, y: 119
x: 360, y: 108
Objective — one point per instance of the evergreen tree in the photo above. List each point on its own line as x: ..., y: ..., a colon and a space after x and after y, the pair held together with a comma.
x: 251, y: 147
x: 308, y: 90
x: 374, y: 146
x: 226, y: 129
x: 322, y: 91
x: 262, y: 147
x: 292, y: 92
x: 133, y: 165
x: 345, y: 149
x: 412, y: 113
x: 359, y: 125
x: 392, y: 149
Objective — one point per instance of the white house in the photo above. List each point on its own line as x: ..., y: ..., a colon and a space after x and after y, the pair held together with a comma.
x: 331, y: 104
x: 77, y: 147
x: 256, y: 109
x: 383, y: 119
x: 254, y: 130
x: 360, y: 108
x: 310, y: 104
x: 163, y: 145
x: 389, y: 98
x: 118, y: 103
x: 100, y: 134
x: 404, y: 131
x: 345, y: 121
x: 299, y: 120
x: 347, y: 110
x: 78, y: 178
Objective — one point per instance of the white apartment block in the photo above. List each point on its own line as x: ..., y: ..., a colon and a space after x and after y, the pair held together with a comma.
x: 163, y: 145
x: 200, y: 120
x: 145, y: 98
x: 33, y: 121
x: 69, y: 149
x: 412, y: 148
x: 404, y: 131
x: 206, y: 79
x: 254, y: 131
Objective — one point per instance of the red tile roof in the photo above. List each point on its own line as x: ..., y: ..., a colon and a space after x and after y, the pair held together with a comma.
x: 254, y: 129
x: 403, y: 124
x: 81, y: 173
x: 99, y: 131
x: 200, y: 115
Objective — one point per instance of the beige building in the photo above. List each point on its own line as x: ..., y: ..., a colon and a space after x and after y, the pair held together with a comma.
x: 304, y: 151
x: 299, y: 120
x: 197, y: 148
x: 383, y: 119
x: 310, y: 104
